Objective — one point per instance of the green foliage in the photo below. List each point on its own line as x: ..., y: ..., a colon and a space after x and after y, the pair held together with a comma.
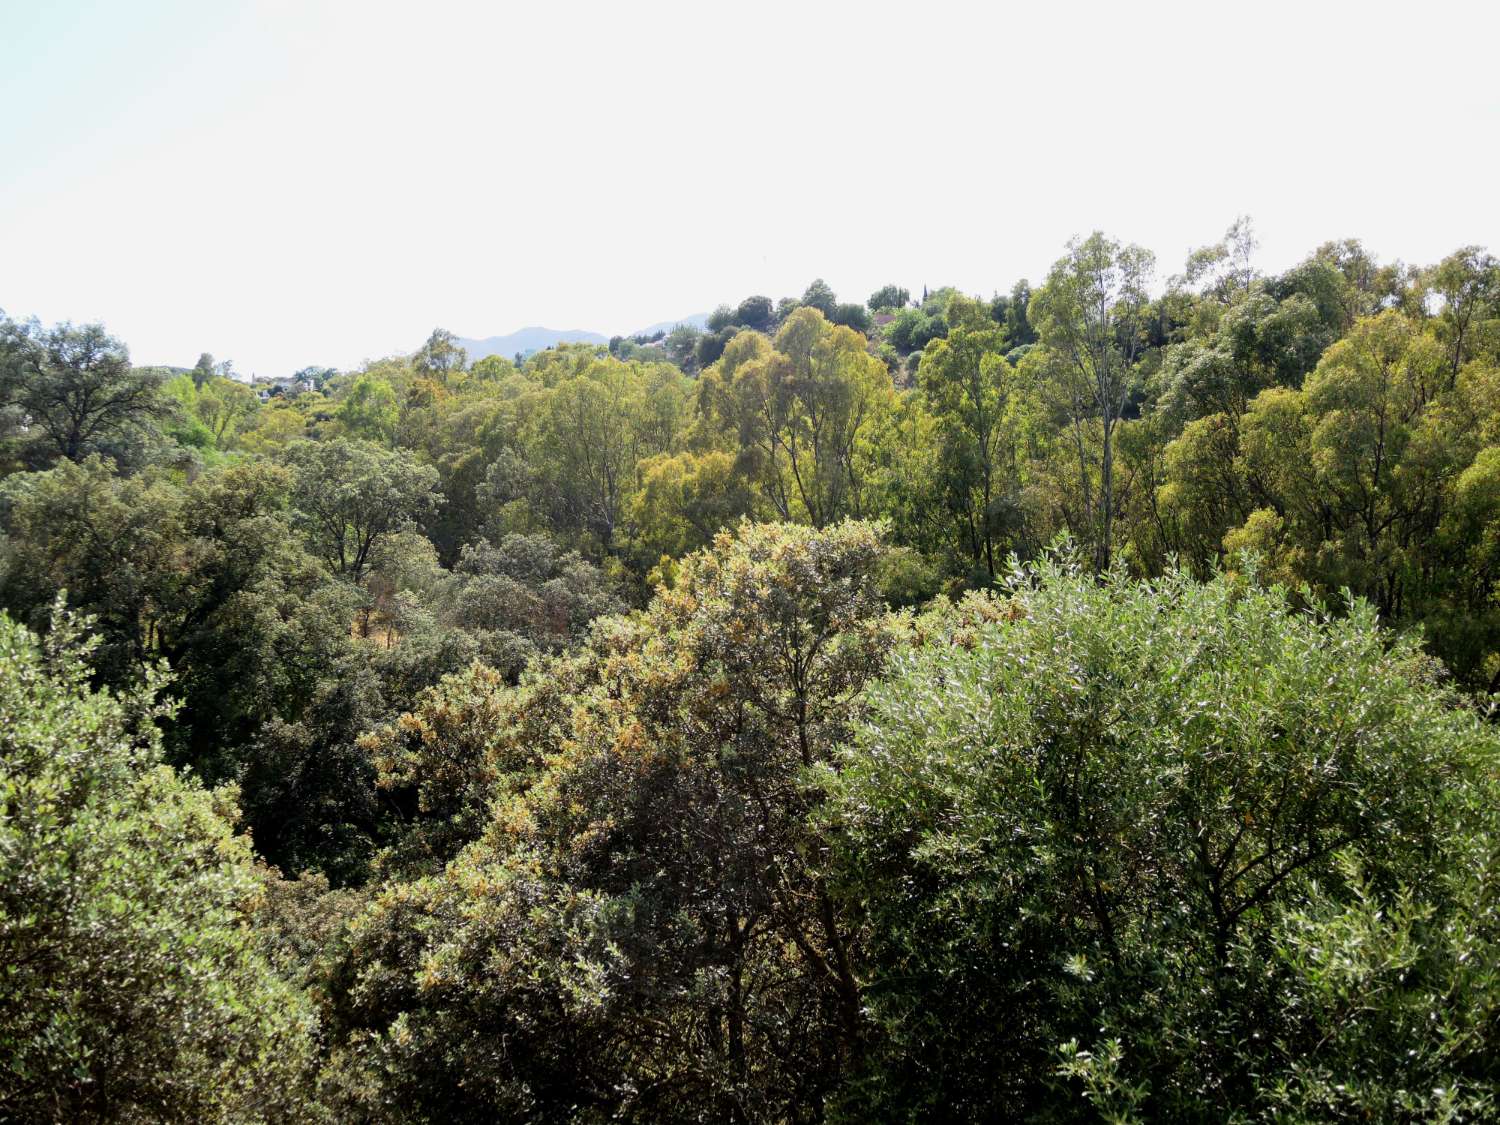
x: 130, y: 987
x: 641, y: 931
x: 1469, y: 283
x: 1258, y: 343
x: 369, y: 411
x: 801, y: 411
x: 440, y: 358
x: 681, y: 345
x: 755, y: 312
x: 349, y: 495
x: 1090, y: 319
x: 79, y: 393
x: 711, y: 346
x: 109, y: 541
x: 553, y: 863
x: 213, y: 580
x: 184, y: 426
x: 1354, y: 481
x: 204, y: 370
x: 964, y: 383
x: 1012, y: 313
x: 913, y: 329
x: 856, y: 317
x: 520, y: 598
x: 685, y: 500
x: 821, y: 297
x: 1243, y: 855
x: 442, y: 761
x: 225, y: 406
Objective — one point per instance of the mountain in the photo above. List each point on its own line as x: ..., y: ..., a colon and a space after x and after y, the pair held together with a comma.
x: 697, y: 320
x: 527, y: 340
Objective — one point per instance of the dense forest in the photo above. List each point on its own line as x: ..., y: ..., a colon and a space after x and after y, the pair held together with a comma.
x: 1071, y: 704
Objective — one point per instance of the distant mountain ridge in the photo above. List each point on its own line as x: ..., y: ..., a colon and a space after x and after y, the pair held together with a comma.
x: 528, y: 340
x: 697, y: 320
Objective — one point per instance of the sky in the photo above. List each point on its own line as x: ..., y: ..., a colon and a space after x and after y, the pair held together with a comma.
x: 293, y: 182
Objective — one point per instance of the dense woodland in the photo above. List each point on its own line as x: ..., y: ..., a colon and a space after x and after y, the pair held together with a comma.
x: 1071, y: 704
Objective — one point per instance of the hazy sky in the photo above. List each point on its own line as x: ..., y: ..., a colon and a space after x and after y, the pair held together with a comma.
x: 295, y: 182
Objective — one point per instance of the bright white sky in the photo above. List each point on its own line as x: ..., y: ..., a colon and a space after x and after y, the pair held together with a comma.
x: 291, y: 182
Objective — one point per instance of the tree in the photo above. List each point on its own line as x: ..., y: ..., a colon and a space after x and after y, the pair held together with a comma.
x: 369, y: 411
x: 1131, y: 836
x: 821, y: 297
x: 1367, y: 402
x: 889, y: 297
x: 852, y: 316
x: 1469, y: 283
x: 1257, y: 343
x: 132, y: 986
x: 1223, y: 272
x: 582, y: 441
x: 224, y: 406
x: 1090, y: 316
x: 646, y: 870
x: 112, y: 542
x: 205, y: 369
x: 522, y: 597
x: 440, y: 357
x: 711, y: 346
x: 963, y: 381
x: 755, y: 312
x: 121, y: 548
x: 315, y: 377
x: 1018, y: 329
x: 800, y: 412
x: 442, y: 760
x: 77, y: 389
x: 214, y: 580
x: 349, y: 495
x: 682, y: 345
x: 913, y: 329
x: 685, y: 500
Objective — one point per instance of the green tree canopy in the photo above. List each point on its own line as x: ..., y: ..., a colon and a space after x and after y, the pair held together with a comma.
x: 642, y: 867
x: 348, y: 495
x: 76, y: 388
x: 1178, y: 848
x: 130, y: 984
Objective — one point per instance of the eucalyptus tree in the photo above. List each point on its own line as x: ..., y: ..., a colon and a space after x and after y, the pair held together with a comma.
x: 801, y: 412
x: 963, y: 381
x: 1091, y: 319
x: 1468, y: 280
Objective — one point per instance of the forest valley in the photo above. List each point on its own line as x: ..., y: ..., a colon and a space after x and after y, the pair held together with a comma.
x: 1071, y: 705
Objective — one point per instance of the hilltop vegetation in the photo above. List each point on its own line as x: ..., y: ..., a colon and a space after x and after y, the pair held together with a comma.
x: 1070, y: 704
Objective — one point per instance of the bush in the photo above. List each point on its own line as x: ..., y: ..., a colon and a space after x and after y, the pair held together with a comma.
x: 129, y: 985
x: 1179, y: 850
